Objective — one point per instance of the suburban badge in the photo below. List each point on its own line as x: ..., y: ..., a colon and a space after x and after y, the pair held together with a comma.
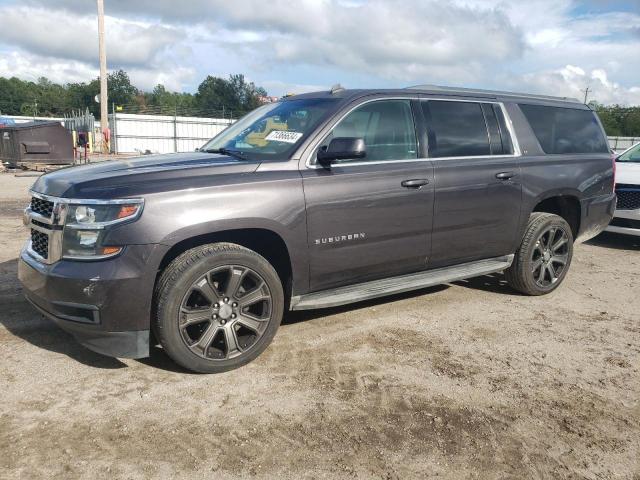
x: 340, y: 238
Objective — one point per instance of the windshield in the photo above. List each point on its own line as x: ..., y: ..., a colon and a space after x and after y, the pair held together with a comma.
x: 631, y: 155
x: 273, y: 130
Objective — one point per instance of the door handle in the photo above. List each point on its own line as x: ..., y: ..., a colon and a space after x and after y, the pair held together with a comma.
x: 415, y: 183
x: 505, y: 175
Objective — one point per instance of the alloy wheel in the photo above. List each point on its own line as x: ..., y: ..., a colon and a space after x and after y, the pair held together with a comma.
x: 550, y: 256
x: 225, y: 312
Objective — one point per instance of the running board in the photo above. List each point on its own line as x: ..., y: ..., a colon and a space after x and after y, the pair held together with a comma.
x: 403, y: 283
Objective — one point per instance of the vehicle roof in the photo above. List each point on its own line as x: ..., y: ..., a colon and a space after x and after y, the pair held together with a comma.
x: 440, y: 91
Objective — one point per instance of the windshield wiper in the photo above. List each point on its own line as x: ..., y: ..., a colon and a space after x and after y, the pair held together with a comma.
x: 225, y: 151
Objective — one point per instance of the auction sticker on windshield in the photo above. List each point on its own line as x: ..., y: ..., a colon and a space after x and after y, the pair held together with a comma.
x: 283, y: 136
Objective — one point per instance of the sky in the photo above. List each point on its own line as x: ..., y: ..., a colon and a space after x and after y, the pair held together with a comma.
x: 555, y: 47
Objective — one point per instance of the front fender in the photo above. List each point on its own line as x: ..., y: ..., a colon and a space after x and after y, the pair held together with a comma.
x: 271, y: 201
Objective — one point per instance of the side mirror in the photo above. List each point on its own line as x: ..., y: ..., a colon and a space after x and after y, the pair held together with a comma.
x: 342, y: 148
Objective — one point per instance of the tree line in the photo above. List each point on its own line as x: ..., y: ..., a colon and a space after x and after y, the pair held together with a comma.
x: 232, y: 96
x: 229, y: 97
x: 619, y: 121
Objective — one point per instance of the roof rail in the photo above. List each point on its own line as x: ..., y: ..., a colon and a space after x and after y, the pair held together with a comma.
x: 468, y: 91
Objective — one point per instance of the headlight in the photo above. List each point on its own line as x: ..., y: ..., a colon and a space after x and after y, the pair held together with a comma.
x: 86, y: 226
x: 102, y: 215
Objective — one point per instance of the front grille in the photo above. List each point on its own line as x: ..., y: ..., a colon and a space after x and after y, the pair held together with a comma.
x: 41, y: 207
x: 40, y: 243
x: 628, y: 196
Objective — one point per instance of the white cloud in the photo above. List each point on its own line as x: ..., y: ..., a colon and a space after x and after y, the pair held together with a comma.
x: 390, y: 39
x: 30, y: 67
x: 59, y: 34
x: 572, y: 81
x: 173, y: 78
x: 538, y: 44
x: 279, y: 88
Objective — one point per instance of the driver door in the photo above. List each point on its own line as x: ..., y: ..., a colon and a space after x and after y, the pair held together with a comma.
x: 371, y: 217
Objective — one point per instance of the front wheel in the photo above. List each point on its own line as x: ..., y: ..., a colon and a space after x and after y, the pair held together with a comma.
x: 218, y: 307
x: 542, y: 261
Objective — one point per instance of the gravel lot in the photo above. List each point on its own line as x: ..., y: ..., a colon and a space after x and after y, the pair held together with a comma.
x: 468, y: 380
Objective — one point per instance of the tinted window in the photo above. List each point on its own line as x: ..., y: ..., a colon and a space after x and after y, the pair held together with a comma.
x: 565, y: 130
x: 456, y: 129
x: 386, y: 127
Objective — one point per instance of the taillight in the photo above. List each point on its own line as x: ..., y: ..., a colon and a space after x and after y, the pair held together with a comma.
x: 613, y: 160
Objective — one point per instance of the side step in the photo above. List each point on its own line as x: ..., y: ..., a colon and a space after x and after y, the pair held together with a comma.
x: 402, y: 283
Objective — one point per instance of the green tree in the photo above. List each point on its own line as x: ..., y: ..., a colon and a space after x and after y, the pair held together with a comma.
x: 618, y: 120
x: 119, y: 88
x: 13, y: 94
x: 631, y: 122
x: 161, y: 100
x: 53, y: 99
x: 234, y: 95
x: 82, y: 95
x: 215, y: 92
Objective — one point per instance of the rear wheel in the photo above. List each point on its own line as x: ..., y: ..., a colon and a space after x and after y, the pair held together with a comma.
x: 218, y: 307
x: 542, y: 261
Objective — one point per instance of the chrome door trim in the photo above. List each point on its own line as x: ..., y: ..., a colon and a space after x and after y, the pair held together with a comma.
x: 310, y: 163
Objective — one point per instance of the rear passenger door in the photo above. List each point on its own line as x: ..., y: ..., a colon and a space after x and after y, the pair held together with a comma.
x: 477, y: 181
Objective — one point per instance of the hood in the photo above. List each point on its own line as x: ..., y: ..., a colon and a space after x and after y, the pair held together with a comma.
x: 141, y: 175
x: 628, y: 173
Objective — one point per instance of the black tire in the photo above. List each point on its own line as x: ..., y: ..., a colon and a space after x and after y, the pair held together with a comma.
x: 192, y: 307
x: 535, y: 263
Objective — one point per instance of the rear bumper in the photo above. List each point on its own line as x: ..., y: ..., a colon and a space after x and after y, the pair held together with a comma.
x: 105, y: 305
x: 597, y: 212
x: 625, y: 221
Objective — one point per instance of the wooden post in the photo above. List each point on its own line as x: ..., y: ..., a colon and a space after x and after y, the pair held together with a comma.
x: 104, y: 121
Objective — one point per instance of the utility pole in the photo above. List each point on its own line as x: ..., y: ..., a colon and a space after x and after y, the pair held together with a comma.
x: 586, y: 94
x: 104, y: 120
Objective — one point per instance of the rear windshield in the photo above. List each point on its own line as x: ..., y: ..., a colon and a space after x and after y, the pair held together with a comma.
x: 566, y: 130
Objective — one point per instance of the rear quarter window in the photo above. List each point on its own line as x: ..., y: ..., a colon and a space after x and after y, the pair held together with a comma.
x: 565, y: 130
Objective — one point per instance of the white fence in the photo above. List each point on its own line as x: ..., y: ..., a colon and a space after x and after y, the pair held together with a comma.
x: 620, y: 144
x: 167, y: 134
x: 162, y: 134
x: 133, y: 133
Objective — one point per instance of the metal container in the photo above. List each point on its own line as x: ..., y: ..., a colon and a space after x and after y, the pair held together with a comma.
x: 36, y: 142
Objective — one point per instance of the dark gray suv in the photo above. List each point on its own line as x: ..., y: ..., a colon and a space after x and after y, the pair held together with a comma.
x: 318, y: 200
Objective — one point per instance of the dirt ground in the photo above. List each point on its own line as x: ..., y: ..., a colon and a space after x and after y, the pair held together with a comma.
x: 468, y: 380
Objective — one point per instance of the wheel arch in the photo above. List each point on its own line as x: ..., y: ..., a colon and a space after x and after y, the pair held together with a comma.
x: 264, y: 241
x: 564, y: 204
